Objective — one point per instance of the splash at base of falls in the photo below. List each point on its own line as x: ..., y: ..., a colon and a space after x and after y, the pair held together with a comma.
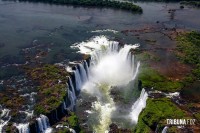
x: 105, y: 107
x: 105, y: 113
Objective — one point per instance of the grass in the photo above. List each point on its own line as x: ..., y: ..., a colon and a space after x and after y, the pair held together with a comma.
x: 151, y: 78
x: 188, y: 47
x: 156, y: 113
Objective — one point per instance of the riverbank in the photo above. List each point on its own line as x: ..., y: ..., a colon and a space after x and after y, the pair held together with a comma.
x: 95, y: 3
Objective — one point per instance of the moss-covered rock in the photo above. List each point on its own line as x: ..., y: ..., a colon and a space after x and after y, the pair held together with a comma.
x: 151, y: 78
x: 156, y: 113
x: 52, y: 87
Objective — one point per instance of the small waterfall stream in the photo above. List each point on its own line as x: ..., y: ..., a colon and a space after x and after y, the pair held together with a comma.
x: 4, y: 118
x: 83, y: 73
x: 43, y: 124
x: 165, y: 129
x: 23, y: 128
x: 78, y: 80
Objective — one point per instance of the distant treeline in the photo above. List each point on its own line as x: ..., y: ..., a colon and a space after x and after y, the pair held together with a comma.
x: 95, y: 3
x: 192, y: 3
x: 188, y: 1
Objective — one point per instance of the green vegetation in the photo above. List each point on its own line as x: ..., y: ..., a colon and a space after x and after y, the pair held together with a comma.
x: 52, y: 87
x: 70, y: 121
x: 151, y: 78
x: 188, y: 52
x: 73, y: 120
x: 11, y: 101
x: 63, y: 130
x: 191, y: 3
x: 197, y: 116
x: 146, y: 57
x: 156, y: 113
x: 95, y: 3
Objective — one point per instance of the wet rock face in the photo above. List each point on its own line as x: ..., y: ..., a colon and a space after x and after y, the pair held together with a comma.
x: 139, y: 85
x: 156, y: 95
x: 114, y: 129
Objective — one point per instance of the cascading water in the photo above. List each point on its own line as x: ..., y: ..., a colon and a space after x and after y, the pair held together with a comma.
x: 165, y: 129
x: 86, y: 68
x: 43, y: 124
x: 110, y: 66
x: 83, y: 73
x: 72, y: 99
x: 78, y: 79
x: 138, y: 106
x: 4, y: 118
x: 5, y: 113
x: 23, y: 128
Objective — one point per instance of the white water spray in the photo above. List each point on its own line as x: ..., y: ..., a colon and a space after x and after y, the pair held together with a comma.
x: 110, y: 65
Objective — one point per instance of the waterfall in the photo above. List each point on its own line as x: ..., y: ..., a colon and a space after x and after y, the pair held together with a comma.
x: 80, y: 76
x: 3, y: 123
x: 86, y: 68
x: 72, y: 88
x: 23, y: 128
x: 72, y: 100
x: 165, y: 129
x: 71, y: 94
x: 43, y: 124
x: 64, y: 105
x: 78, y: 80
x: 5, y: 113
x: 83, y: 73
x: 136, y: 71
x: 138, y: 106
x: 113, y: 47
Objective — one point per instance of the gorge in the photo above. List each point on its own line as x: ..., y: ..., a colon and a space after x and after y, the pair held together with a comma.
x: 86, y: 69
